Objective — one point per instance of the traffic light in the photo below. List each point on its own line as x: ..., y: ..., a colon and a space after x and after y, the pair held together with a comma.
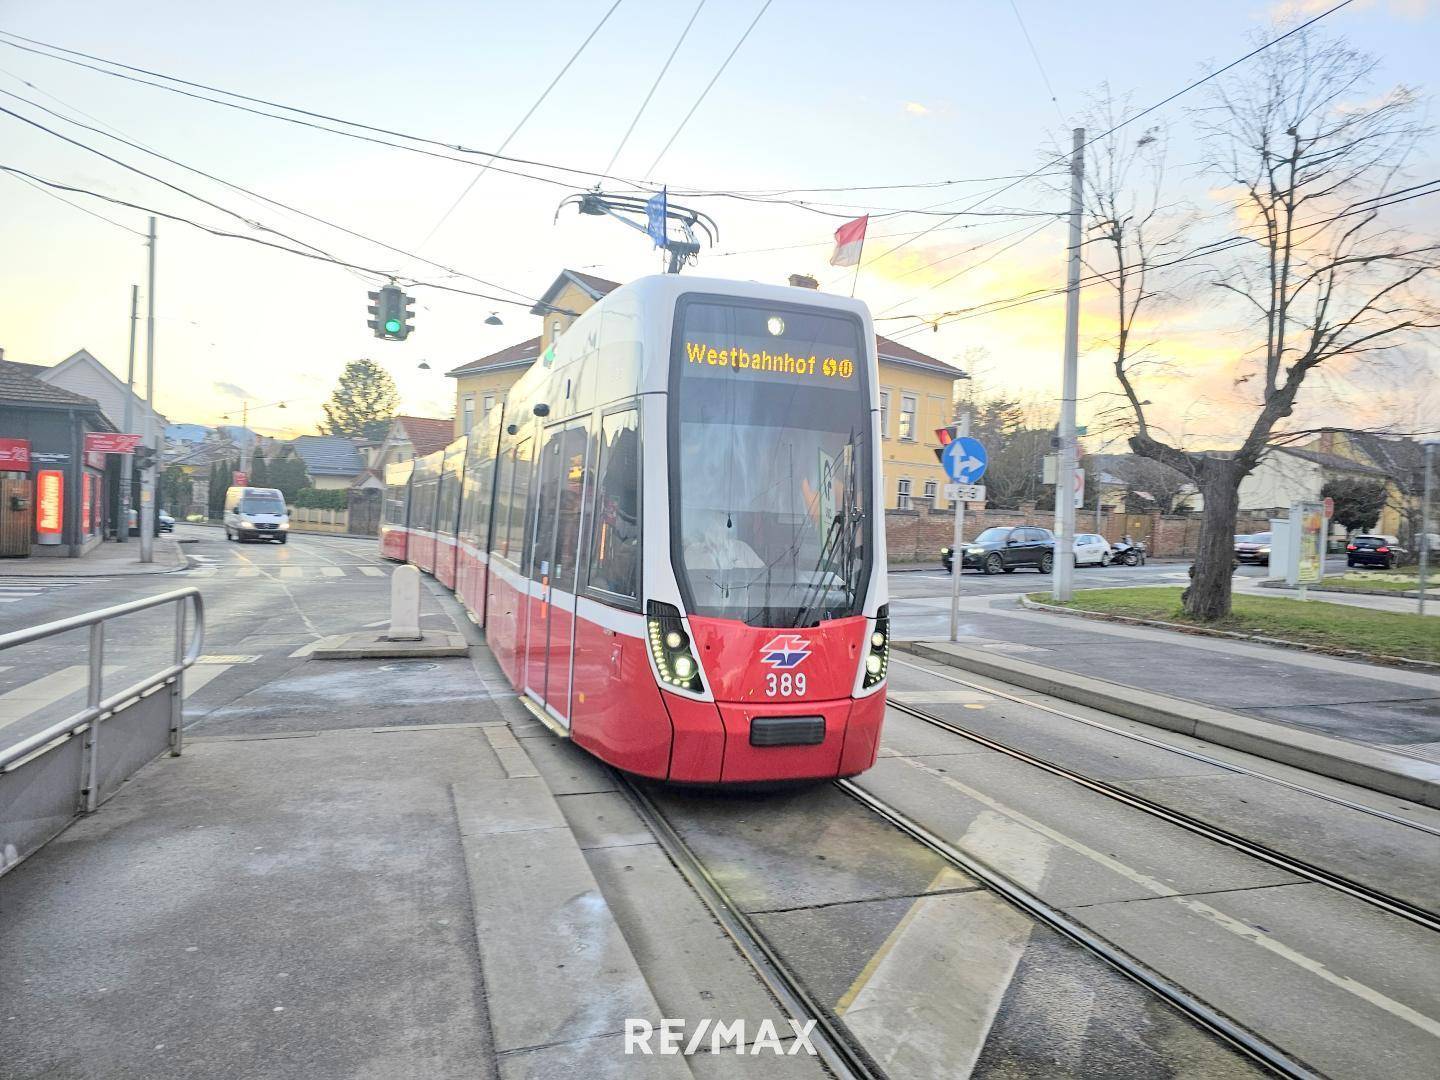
x: 390, y: 314
x: 144, y: 458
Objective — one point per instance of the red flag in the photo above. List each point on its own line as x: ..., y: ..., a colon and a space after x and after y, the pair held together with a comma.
x: 849, y: 240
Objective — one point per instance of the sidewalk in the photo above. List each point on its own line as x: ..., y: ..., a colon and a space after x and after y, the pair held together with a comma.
x: 1387, y: 708
x: 107, y: 559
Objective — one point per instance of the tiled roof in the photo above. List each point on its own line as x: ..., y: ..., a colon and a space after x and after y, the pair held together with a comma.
x: 329, y: 455
x: 523, y: 353
x: 28, y: 369
x: 893, y: 350
x: 19, y: 387
x: 1331, y: 461
x: 427, y: 434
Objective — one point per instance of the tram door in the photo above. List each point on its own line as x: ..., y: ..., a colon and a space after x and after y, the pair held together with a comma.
x: 554, y: 567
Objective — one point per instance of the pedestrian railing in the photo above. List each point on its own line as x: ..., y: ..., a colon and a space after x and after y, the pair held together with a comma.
x: 51, y: 777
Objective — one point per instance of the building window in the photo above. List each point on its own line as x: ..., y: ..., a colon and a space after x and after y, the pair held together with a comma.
x: 907, y: 417
x: 902, y: 495
x: 884, y: 414
x: 467, y: 413
x: 489, y: 404
x: 932, y: 494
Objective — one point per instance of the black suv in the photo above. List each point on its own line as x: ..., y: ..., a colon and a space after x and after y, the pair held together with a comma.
x: 1381, y: 551
x: 1006, y: 549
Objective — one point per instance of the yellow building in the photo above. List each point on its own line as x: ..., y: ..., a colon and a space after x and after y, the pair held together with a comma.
x: 1400, y: 462
x: 916, y: 390
x: 481, y: 384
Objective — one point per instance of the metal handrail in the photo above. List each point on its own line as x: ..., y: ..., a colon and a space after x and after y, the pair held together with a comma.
x: 187, y: 651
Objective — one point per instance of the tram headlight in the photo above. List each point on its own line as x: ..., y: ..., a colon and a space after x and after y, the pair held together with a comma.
x: 877, y: 659
x: 670, y: 646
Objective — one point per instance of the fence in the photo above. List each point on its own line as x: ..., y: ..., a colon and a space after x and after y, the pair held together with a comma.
x: 309, y: 519
x: 51, y: 777
x: 918, y: 535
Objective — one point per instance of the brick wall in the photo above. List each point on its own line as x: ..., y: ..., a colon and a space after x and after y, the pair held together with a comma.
x: 918, y: 535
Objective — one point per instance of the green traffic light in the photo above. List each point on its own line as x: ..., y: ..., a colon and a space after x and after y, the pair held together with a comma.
x: 392, y: 326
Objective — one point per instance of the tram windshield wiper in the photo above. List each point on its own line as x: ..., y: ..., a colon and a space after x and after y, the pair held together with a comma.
x: 837, y: 553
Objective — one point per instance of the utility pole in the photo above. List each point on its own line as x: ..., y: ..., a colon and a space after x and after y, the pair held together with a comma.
x: 1062, y: 576
x: 147, y: 477
x: 957, y: 545
x: 122, y: 531
x: 1425, y: 526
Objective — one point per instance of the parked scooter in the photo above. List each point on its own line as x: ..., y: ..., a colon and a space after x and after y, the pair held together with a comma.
x: 1127, y: 552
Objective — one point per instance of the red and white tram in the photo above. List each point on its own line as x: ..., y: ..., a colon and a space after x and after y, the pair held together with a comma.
x: 671, y: 532
x: 393, y: 513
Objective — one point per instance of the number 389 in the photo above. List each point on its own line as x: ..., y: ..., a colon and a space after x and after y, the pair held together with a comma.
x: 785, y: 685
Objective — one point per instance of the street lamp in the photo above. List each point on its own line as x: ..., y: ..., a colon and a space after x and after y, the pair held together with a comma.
x: 494, y: 320
x: 245, y: 411
x: 424, y: 365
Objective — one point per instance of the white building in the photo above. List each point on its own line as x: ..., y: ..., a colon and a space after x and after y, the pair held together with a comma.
x: 81, y: 373
x: 1289, y: 474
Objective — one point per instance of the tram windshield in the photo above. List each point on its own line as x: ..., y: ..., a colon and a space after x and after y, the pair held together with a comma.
x: 771, y: 443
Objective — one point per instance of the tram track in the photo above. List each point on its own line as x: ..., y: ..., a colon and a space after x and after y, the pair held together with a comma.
x: 1290, y: 864
x: 841, y: 1052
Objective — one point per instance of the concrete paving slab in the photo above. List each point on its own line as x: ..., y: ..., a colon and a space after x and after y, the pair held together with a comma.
x: 1393, y: 858
x: 1340, y: 1029
x: 909, y: 737
x: 519, y: 804
x: 370, y: 645
x: 1386, y: 722
x: 798, y: 847
x: 567, y: 769
x: 1064, y: 842
x: 603, y: 819
x: 602, y: 1058
x: 278, y: 908
x: 690, y: 963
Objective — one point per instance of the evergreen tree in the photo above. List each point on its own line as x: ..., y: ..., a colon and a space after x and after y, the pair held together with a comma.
x: 258, y: 473
x: 217, y: 491
x: 363, y: 402
x: 1357, y: 502
x: 287, y: 472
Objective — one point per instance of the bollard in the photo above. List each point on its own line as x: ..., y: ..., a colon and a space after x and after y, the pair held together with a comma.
x: 404, y: 605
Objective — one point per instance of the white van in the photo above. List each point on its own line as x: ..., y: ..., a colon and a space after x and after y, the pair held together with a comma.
x: 253, y: 513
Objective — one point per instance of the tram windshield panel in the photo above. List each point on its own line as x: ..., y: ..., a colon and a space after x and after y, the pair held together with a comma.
x: 771, y: 444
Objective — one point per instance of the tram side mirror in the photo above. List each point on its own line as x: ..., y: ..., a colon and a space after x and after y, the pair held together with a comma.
x: 540, y: 409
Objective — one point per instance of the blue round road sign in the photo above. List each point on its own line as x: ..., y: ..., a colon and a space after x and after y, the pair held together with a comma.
x: 964, y: 460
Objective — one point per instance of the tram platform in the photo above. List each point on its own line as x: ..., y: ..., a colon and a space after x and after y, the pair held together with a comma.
x: 293, y: 900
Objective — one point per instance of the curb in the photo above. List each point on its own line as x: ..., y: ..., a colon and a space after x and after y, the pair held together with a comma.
x: 1379, y: 770
x: 1378, y: 659
x: 1411, y: 594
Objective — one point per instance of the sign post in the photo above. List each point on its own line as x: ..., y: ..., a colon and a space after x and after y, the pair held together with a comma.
x: 964, y: 460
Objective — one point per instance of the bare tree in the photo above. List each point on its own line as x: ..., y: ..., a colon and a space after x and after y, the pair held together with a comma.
x: 1315, y: 163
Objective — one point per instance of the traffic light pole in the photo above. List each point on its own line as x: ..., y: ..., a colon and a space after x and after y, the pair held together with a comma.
x: 1062, y: 575
x: 146, y: 512
x: 957, y: 545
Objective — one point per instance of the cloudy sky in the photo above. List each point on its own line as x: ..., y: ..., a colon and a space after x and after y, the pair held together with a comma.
x: 842, y: 93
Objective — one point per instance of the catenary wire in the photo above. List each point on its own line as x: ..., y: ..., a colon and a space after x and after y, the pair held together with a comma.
x: 523, y: 120
x: 655, y: 85
x: 1128, y: 120
x: 77, y: 206
x: 1039, y: 65
x: 703, y: 93
x: 266, y: 198
x: 372, y: 271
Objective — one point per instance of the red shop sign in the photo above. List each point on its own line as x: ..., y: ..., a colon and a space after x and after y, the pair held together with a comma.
x: 110, y: 442
x: 15, y: 454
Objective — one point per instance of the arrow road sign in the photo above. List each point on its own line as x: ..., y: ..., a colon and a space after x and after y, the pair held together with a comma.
x: 964, y: 460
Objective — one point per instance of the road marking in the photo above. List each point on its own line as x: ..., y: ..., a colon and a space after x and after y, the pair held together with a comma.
x: 969, y: 945
x: 331, y: 571
x: 1226, y: 922
x: 248, y: 571
x: 197, y: 680
x: 291, y: 572
x: 304, y: 650
x: 372, y: 571
x: 45, y: 691
x: 226, y: 658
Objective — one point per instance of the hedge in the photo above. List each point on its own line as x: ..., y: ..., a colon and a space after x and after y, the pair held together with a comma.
x: 315, y: 499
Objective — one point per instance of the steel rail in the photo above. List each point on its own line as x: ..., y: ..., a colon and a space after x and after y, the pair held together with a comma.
x: 97, y: 708
x: 842, y: 1055
x: 1251, y: 1045
x: 1215, y: 834
x: 1193, y: 755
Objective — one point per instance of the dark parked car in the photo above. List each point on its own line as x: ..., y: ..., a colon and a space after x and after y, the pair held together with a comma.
x: 1007, y: 549
x: 1383, y: 551
x: 1253, y: 549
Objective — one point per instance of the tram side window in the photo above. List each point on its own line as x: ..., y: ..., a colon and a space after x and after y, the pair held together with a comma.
x: 573, y: 456
x: 504, y: 482
x: 519, y: 503
x: 615, y: 547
